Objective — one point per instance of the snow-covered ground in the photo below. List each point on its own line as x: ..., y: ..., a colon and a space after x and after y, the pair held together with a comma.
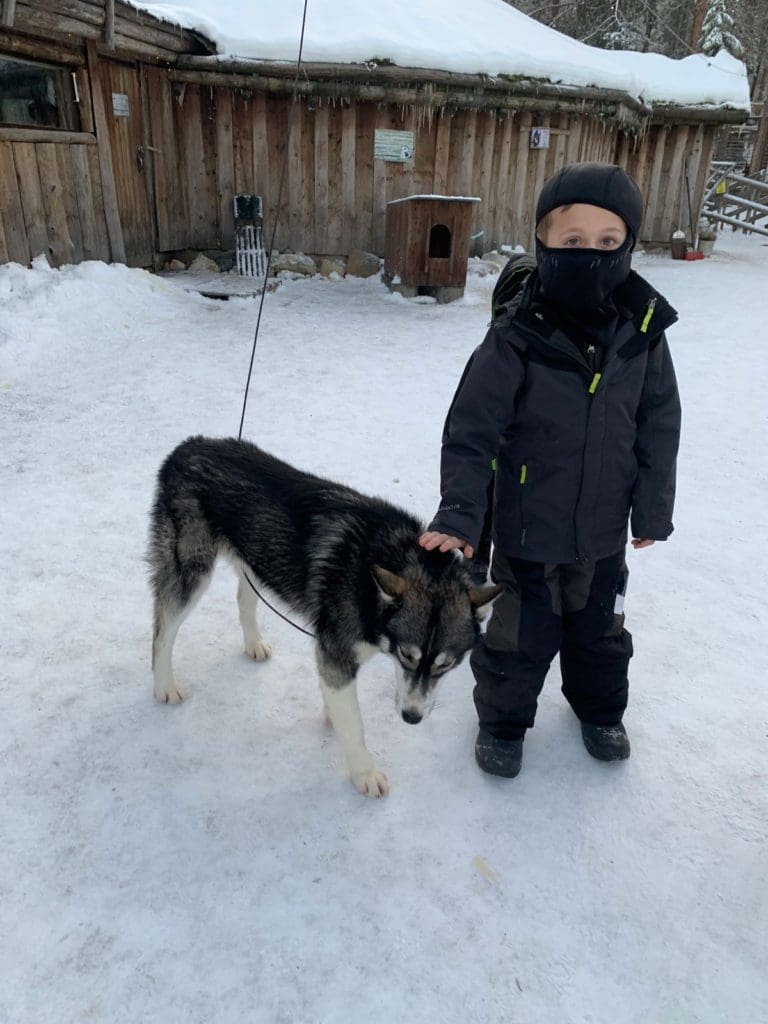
x: 210, y: 863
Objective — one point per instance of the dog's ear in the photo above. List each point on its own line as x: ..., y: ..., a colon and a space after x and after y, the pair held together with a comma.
x: 481, y: 599
x: 391, y: 587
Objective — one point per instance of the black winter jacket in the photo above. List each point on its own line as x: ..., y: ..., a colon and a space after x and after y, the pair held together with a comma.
x: 576, y: 451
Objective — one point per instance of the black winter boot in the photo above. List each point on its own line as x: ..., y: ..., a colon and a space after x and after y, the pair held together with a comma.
x: 606, y: 742
x: 498, y: 757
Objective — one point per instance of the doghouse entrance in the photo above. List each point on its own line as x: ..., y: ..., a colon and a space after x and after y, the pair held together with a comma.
x: 440, y: 242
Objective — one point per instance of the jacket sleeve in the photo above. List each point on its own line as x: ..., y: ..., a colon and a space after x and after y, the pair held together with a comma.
x: 656, y: 444
x: 482, y: 408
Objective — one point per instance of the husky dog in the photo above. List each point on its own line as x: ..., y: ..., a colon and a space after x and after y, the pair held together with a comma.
x: 348, y: 564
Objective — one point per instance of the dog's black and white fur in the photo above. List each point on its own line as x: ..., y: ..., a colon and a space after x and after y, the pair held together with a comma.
x: 350, y: 565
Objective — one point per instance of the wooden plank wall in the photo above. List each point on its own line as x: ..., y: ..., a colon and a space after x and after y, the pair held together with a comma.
x: 51, y: 202
x: 212, y: 142
x: 657, y: 162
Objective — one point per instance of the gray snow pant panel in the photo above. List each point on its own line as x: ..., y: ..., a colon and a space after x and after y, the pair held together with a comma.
x: 596, y: 648
x: 545, y: 609
x: 524, y: 633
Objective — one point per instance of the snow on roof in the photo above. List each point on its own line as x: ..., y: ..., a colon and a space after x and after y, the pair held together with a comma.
x: 465, y: 36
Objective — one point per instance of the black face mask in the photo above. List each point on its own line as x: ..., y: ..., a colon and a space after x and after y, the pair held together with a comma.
x: 582, y: 280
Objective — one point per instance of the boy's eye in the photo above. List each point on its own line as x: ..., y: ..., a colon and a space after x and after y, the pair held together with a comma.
x: 572, y: 242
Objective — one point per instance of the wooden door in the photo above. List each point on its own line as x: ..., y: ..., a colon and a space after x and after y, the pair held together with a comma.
x: 121, y: 89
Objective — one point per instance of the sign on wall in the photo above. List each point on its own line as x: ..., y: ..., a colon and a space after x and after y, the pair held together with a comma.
x: 397, y: 147
x: 539, y: 138
x: 120, y: 105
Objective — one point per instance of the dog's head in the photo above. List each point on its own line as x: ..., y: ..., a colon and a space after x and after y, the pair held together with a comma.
x: 431, y: 617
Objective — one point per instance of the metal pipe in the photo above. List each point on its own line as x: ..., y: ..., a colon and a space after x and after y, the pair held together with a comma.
x: 735, y: 222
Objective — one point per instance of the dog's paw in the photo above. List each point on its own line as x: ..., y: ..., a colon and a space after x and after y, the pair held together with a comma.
x: 259, y: 650
x: 170, y: 693
x: 371, y: 782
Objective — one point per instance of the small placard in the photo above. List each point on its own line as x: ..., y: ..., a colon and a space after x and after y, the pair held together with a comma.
x: 120, y: 105
x: 394, y: 146
x: 539, y: 138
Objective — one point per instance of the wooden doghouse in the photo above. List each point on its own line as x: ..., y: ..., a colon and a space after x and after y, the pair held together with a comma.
x: 426, y: 245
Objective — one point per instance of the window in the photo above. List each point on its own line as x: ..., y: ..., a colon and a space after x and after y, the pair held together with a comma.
x: 36, y: 95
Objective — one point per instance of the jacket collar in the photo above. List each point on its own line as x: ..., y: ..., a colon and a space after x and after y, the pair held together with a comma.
x: 637, y: 301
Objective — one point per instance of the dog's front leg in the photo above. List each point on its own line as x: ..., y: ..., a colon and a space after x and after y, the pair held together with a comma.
x: 339, y: 691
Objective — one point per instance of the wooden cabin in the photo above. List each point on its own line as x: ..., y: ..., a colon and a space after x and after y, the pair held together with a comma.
x: 121, y: 139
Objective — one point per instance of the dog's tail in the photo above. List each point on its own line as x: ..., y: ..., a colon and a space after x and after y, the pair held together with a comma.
x: 182, y: 549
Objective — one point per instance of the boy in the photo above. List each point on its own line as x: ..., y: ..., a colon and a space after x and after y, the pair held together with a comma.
x: 573, y: 393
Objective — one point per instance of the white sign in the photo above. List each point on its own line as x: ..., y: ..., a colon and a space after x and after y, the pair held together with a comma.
x: 539, y: 138
x: 120, y: 105
x: 397, y: 147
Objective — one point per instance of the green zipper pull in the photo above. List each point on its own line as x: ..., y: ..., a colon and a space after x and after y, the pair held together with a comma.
x: 648, y: 315
x: 523, y: 473
x: 595, y: 382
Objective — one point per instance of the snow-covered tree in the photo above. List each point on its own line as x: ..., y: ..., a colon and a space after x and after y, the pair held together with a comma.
x: 716, y: 31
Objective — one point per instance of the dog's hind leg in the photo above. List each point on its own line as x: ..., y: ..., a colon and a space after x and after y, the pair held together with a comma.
x: 339, y: 690
x: 167, y: 623
x: 255, y: 645
x: 182, y: 564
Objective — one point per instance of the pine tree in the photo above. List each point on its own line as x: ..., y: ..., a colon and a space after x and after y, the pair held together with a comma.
x: 716, y: 32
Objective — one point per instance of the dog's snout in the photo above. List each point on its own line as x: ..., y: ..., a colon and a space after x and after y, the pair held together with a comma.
x: 411, y: 717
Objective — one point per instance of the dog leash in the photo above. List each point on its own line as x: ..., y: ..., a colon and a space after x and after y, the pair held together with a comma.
x: 264, y: 291
x: 275, y: 222
x: 280, y: 614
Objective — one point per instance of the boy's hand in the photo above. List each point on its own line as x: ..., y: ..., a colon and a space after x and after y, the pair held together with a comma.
x: 446, y: 542
x: 641, y: 543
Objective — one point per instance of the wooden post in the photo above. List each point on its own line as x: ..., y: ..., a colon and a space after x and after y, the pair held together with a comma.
x: 149, y: 166
x: 109, y: 24
x: 111, y: 209
x: 760, y: 95
x: 9, y: 9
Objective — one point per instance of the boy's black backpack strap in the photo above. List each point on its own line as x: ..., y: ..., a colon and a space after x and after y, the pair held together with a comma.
x: 510, y: 282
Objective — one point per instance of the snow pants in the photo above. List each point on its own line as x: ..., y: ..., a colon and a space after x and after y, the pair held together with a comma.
x: 574, y: 609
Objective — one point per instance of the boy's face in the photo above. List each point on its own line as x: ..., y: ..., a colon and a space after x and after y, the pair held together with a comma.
x: 583, y: 226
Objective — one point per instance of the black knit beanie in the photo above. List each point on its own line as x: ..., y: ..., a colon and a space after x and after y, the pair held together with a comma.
x: 605, y: 185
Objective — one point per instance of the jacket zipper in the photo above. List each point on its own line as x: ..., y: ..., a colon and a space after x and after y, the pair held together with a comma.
x: 590, y: 390
x: 648, y: 315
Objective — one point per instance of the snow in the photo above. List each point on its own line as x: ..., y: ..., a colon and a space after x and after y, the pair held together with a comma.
x: 445, y: 199
x: 210, y: 863
x: 470, y: 36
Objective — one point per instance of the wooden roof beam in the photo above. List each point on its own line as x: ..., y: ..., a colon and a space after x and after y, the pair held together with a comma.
x: 602, y: 107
